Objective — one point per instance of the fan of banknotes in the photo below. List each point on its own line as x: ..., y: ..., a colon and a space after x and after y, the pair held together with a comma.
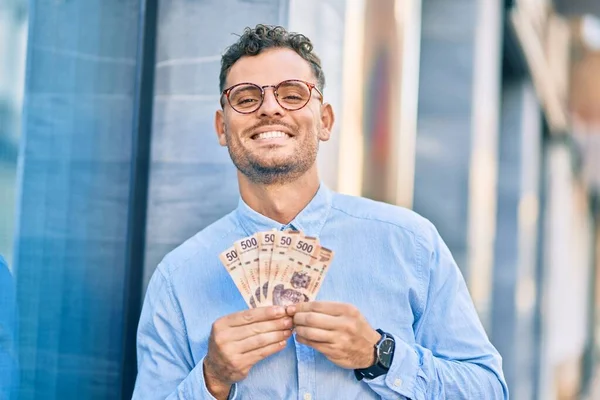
x: 277, y: 267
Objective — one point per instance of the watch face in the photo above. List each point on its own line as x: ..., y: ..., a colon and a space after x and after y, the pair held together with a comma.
x: 385, y: 352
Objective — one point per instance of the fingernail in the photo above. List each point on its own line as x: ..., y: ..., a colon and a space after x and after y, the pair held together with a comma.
x: 279, y: 310
x: 287, y: 333
x: 287, y: 322
x: 291, y: 309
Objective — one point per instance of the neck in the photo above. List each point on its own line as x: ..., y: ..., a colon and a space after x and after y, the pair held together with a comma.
x: 280, y: 202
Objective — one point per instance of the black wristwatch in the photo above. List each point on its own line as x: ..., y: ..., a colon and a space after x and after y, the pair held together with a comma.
x: 384, y: 354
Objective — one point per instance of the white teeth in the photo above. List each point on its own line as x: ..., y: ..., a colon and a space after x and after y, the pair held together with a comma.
x: 271, y: 135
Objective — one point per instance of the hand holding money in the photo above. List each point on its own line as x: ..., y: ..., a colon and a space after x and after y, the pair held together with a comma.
x: 337, y: 330
x: 277, y: 267
x: 240, y: 340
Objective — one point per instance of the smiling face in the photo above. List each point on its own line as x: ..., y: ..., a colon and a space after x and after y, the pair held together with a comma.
x: 273, y: 145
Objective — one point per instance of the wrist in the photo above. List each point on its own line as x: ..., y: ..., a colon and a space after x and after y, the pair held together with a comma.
x: 370, y: 353
x: 216, y: 387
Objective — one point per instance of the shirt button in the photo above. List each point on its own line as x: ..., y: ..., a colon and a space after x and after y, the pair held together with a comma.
x: 398, y: 382
x: 307, y: 396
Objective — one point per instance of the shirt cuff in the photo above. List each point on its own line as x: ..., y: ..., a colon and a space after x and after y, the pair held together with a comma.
x: 200, y: 372
x: 405, y: 377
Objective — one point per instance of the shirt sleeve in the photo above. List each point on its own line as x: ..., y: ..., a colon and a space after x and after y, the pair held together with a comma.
x: 165, y: 365
x: 452, y: 357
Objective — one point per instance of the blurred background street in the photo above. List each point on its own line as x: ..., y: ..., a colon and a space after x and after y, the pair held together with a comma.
x: 481, y: 115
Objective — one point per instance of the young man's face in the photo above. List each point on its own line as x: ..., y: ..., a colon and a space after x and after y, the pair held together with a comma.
x: 272, y: 144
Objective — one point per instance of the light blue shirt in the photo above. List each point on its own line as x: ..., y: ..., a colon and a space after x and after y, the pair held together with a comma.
x: 389, y: 262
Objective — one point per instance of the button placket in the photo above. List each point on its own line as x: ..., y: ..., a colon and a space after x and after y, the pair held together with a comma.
x: 306, y: 367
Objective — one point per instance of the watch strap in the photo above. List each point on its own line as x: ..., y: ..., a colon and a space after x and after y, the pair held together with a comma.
x: 370, y: 373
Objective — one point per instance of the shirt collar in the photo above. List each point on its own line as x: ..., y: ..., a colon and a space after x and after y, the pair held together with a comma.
x: 310, y: 220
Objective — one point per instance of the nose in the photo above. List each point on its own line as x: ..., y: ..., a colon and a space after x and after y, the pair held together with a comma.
x: 270, y: 106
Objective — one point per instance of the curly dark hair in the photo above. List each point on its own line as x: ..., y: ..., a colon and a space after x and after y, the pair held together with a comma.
x: 262, y: 37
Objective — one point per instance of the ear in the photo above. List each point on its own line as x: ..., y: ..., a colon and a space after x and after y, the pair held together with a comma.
x: 327, y: 120
x: 220, y: 127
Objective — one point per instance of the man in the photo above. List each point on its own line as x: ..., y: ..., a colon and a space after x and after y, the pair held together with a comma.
x: 394, y: 319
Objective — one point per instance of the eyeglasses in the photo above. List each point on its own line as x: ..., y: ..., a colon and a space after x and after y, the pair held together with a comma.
x: 291, y: 95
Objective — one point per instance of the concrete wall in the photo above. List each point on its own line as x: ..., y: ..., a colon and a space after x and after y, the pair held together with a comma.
x: 456, y: 154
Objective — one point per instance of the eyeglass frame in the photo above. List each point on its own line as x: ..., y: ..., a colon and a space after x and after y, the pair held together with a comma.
x: 310, y: 86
